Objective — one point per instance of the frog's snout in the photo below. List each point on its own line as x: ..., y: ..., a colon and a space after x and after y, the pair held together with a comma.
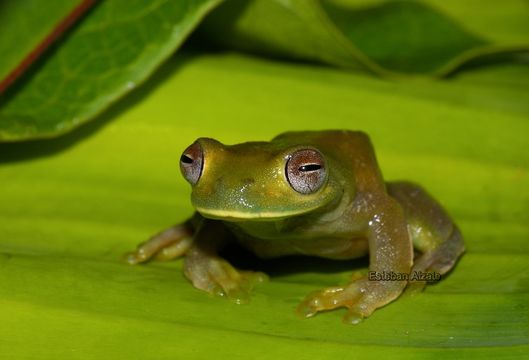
x: 224, y: 187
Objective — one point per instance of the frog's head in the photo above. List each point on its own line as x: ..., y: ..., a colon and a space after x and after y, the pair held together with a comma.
x: 257, y: 180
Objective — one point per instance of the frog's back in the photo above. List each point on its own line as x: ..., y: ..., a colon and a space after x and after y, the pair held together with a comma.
x: 328, y: 139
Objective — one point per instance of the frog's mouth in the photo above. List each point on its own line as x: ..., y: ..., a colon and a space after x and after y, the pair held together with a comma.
x: 242, y: 204
x: 233, y: 215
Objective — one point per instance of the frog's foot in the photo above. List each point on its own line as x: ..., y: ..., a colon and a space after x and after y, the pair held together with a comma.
x: 218, y: 277
x: 442, y: 258
x: 168, y: 244
x: 360, y: 297
x: 429, y: 266
x: 332, y: 298
x: 415, y: 287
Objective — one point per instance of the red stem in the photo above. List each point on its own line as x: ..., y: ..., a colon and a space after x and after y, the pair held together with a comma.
x: 57, y: 31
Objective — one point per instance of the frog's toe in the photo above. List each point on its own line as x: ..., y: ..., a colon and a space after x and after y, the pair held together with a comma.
x: 353, y: 317
x: 174, y: 250
x: 216, y: 276
x: 238, y: 289
x: 133, y: 258
x: 327, y: 299
x: 146, y: 252
x: 414, y: 287
x: 166, y: 245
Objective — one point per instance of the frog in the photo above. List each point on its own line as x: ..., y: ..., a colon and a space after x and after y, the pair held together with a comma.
x: 310, y: 193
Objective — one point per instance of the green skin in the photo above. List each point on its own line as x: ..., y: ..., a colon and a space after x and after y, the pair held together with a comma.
x: 243, y: 193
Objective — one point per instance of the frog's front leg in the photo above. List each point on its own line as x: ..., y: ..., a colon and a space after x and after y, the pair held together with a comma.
x: 390, y: 251
x: 213, y: 274
x: 168, y: 244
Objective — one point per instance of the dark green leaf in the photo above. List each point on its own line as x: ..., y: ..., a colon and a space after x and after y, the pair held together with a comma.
x: 390, y: 38
x: 23, y: 24
x: 117, y: 46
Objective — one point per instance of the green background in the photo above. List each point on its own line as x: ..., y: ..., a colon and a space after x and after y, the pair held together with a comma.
x: 71, y: 207
x: 442, y: 88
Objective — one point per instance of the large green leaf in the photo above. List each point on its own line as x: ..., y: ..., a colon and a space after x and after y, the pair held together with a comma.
x: 71, y: 207
x: 23, y: 26
x: 120, y: 43
x: 116, y: 47
x: 387, y: 37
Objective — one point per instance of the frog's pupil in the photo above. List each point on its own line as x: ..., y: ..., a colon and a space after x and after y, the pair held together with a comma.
x: 186, y: 159
x: 310, y: 167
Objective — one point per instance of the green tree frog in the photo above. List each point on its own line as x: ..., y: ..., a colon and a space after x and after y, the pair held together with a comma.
x: 316, y: 193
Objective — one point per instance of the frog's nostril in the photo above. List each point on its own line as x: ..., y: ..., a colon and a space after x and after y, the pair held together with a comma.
x: 248, y: 181
x: 219, y: 184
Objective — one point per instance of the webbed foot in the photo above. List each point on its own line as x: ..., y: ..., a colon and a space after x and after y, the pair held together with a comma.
x: 216, y: 276
x: 166, y: 245
x: 361, y: 298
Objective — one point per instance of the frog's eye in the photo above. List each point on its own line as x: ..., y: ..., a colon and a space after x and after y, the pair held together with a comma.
x: 191, y: 163
x: 305, y: 171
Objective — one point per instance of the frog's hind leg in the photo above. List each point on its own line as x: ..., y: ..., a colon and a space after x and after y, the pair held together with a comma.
x: 168, y: 244
x: 442, y: 258
x: 432, y: 231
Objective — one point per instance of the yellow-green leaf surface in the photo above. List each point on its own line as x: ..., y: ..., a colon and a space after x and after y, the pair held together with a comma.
x: 70, y: 207
x: 116, y: 46
x: 387, y: 37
